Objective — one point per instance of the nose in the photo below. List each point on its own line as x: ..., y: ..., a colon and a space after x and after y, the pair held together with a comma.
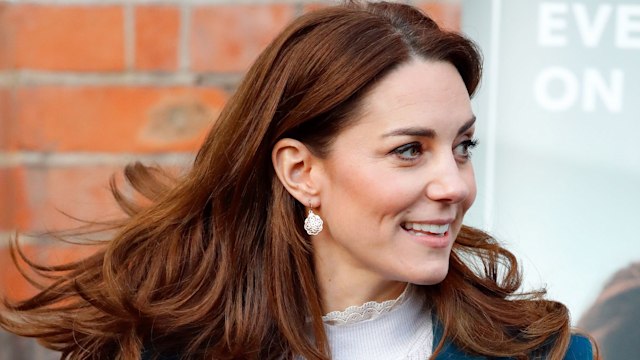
x: 449, y: 182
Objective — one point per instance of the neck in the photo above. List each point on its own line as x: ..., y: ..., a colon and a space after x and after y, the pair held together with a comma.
x: 338, y: 298
x: 343, y: 285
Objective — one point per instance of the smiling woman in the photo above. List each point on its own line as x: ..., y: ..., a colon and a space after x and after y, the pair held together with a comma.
x: 401, y: 180
x: 358, y: 118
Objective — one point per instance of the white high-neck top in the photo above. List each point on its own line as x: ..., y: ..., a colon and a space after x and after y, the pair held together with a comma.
x: 399, y: 329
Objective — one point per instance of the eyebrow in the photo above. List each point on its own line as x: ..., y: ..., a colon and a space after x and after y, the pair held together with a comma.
x: 426, y: 132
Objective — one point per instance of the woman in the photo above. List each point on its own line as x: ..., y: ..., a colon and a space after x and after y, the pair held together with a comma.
x: 322, y: 219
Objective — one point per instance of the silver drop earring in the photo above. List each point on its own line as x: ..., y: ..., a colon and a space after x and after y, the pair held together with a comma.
x: 313, y: 223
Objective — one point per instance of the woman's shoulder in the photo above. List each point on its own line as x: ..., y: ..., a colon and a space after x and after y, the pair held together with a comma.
x: 580, y: 348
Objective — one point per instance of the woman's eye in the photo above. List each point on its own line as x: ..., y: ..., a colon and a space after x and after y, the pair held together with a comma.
x: 409, y: 151
x: 463, y: 149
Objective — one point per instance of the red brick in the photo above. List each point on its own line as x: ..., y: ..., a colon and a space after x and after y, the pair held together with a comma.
x: 42, y: 198
x: 35, y: 198
x: 157, y: 29
x: 228, y: 38
x: 6, y: 34
x: 13, y: 284
x: 446, y: 15
x: 14, y: 209
x: 114, y: 119
x: 56, y: 37
x: 79, y: 191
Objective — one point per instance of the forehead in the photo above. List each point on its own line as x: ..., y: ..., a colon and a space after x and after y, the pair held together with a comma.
x: 418, y: 91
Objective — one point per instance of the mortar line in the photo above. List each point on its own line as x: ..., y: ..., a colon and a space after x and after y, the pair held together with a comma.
x: 24, y: 239
x: 129, y: 36
x: 34, y: 77
x: 184, y: 56
x: 91, y: 159
x: 4, y: 238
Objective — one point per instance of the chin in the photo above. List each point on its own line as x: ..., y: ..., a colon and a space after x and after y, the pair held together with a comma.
x: 432, y: 276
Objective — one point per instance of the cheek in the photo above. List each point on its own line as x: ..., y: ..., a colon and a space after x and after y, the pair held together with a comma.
x: 370, y: 191
x: 470, y: 180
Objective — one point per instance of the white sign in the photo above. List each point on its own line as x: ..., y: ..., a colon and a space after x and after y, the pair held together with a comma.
x: 559, y: 118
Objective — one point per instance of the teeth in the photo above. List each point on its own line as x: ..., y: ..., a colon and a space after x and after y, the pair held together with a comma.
x: 429, y: 228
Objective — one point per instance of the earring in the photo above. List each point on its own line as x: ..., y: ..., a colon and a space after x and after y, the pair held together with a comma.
x: 313, y: 223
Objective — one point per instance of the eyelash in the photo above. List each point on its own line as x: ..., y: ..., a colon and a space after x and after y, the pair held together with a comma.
x: 468, y: 146
x: 417, y: 146
x: 410, y: 146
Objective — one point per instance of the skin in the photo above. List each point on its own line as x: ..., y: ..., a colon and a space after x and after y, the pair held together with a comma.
x: 405, y: 160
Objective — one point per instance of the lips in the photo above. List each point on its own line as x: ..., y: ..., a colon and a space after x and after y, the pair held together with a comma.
x: 426, y: 229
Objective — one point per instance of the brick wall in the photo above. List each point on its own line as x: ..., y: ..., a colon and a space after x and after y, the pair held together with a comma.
x: 88, y: 86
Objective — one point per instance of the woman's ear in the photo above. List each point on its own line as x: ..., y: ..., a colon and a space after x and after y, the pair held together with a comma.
x: 294, y: 164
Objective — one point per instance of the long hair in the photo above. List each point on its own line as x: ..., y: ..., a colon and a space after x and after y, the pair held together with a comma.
x: 217, y: 265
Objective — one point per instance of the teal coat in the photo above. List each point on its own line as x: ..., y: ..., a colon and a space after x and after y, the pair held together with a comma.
x: 579, y: 349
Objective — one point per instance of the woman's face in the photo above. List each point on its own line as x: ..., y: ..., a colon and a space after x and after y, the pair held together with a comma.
x: 396, y: 184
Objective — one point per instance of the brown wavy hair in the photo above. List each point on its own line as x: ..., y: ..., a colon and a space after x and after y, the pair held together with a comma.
x: 216, y: 264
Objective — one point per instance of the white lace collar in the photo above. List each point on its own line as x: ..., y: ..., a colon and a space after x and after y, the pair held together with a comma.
x: 367, y: 311
x: 399, y: 329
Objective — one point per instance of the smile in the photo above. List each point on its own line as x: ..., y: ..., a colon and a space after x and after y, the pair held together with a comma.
x: 426, y: 229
